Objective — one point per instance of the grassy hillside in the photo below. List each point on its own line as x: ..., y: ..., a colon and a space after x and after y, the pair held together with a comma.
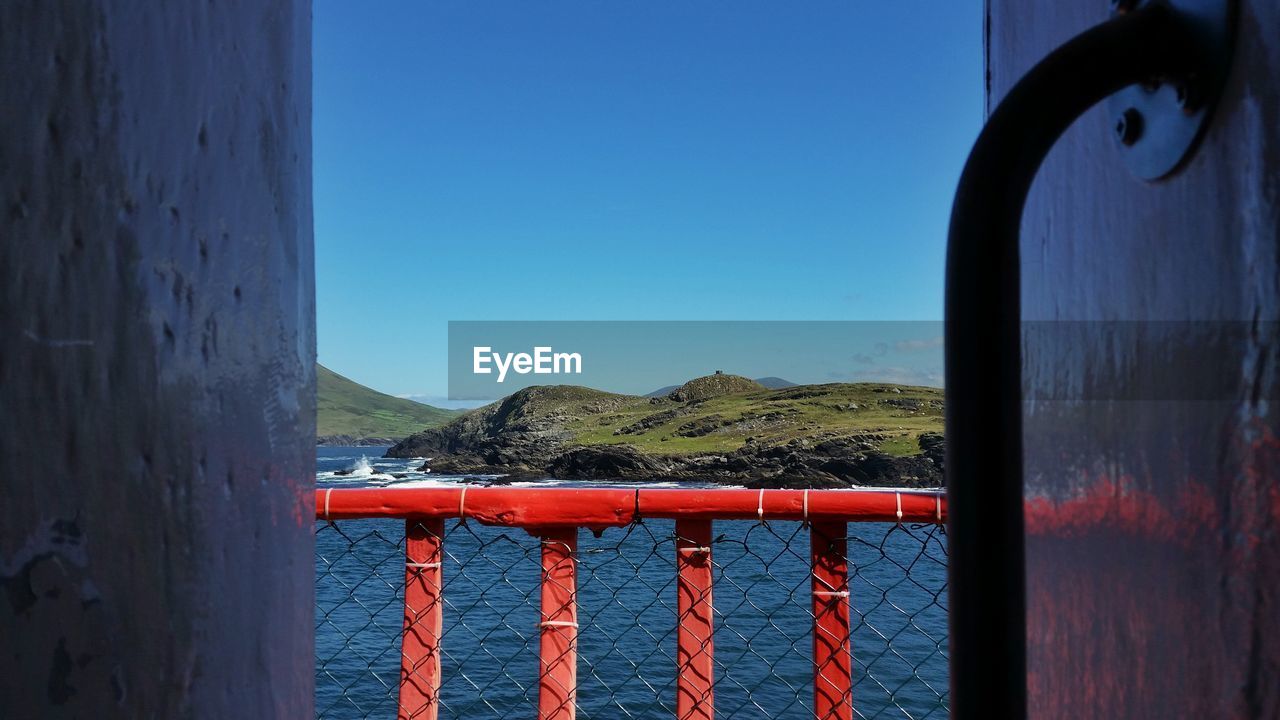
x: 717, y: 428
x: 345, y: 407
x: 896, y: 413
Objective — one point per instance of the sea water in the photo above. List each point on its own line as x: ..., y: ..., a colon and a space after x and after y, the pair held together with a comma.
x: 626, y: 601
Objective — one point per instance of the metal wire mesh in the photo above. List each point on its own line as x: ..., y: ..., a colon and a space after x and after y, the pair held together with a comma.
x: 627, y: 617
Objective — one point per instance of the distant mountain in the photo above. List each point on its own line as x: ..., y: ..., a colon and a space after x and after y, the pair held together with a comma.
x: 348, y: 413
x: 663, y: 391
x: 772, y: 383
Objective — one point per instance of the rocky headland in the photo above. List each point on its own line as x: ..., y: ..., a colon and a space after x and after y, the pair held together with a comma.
x: 719, y: 428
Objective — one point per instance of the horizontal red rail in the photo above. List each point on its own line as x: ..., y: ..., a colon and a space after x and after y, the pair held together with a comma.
x: 608, y: 507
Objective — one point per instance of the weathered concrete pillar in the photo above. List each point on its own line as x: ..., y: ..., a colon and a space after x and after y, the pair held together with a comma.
x: 1152, y: 427
x: 157, y: 368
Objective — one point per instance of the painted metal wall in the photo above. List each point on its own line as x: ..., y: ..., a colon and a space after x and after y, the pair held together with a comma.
x: 157, y: 370
x: 1152, y: 448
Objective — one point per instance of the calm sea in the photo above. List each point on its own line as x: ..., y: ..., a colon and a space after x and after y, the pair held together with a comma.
x: 626, y: 597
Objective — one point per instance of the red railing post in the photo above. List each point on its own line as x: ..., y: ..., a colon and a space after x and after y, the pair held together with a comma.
x: 832, y: 651
x: 695, y: 642
x: 420, y: 644
x: 558, y: 646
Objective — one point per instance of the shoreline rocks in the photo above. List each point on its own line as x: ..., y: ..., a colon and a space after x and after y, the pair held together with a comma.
x: 843, y: 462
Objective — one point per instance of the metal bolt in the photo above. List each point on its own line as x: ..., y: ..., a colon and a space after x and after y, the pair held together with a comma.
x: 1129, y: 126
x: 1188, y: 95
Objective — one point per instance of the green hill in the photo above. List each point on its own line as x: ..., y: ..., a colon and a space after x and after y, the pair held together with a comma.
x: 348, y: 409
x: 889, y: 417
x: 719, y: 428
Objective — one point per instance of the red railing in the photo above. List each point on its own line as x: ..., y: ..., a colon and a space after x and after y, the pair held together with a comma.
x: 554, y: 515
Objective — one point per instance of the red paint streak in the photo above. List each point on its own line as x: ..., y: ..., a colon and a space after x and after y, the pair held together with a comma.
x: 832, y: 645
x: 695, y: 646
x: 1120, y: 504
x: 1111, y: 504
x: 1151, y: 596
x: 558, y: 646
x: 420, y: 645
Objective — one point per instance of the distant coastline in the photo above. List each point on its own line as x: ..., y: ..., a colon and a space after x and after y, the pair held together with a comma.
x: 350, y: 441
x: 348, y: 413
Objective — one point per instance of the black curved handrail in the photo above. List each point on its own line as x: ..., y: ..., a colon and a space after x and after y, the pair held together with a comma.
x: 987, y: 581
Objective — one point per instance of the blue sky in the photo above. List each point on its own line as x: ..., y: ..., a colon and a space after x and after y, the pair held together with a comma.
x: 656, y: 160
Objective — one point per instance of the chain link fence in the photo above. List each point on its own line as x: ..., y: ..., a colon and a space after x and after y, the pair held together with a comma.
x: 627, y: 620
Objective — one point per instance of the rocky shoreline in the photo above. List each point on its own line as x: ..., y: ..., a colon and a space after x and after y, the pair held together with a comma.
x: 829, y: 464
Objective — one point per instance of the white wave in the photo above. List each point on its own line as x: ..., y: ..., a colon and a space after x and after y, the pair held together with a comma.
x: 360, y: 468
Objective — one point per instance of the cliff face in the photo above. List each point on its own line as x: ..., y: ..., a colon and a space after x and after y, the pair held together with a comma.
x: 519, y: 434
x: 720, y: 428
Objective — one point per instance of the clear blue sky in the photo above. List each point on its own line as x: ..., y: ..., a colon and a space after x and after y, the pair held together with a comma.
x: 655, y: 160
